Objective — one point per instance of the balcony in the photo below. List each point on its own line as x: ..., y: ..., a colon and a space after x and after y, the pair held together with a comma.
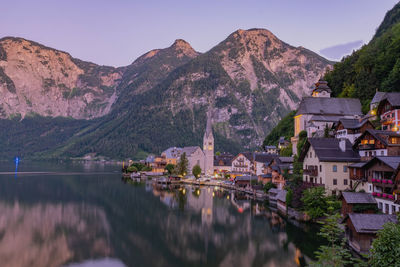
x: 311, y: 171
x: 382, y: 182
x: 383, y: 195
x: 366, y: 146
x: 240, y: 165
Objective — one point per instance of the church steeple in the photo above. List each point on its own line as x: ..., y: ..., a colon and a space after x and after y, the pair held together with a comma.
x: 208, y: 131
x: 208, y: 147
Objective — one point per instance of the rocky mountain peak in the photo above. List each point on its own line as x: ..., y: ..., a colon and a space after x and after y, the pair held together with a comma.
x: 184, y: 48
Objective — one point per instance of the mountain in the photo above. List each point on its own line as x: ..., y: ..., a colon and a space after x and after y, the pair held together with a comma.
x: 376, y: 66
x: 249, y: 81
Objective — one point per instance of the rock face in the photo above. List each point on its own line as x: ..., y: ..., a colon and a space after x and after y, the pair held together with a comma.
x: 248, y: 81
x: 48, y: 82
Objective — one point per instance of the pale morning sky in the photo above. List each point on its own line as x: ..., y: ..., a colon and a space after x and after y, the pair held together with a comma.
x: 116, y: 32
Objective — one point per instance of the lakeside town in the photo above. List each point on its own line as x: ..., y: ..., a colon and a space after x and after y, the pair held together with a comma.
x: 338, y: 159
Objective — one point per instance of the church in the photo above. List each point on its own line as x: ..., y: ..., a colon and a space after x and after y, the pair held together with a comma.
x: 195, y: 155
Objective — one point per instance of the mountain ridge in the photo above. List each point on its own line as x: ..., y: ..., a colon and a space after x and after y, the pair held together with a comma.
x: 249, y: 81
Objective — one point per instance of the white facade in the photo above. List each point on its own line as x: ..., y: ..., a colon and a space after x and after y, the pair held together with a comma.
x: 344, y: 134
x: 241, y: 164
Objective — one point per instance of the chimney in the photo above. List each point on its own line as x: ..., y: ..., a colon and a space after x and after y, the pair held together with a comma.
x: 342, y: 144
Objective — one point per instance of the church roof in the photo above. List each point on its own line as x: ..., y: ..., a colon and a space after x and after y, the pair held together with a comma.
x: 322, y: 86
x: 330, y: 106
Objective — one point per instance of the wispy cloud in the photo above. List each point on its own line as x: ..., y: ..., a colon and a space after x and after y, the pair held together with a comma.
x: 336, y: 52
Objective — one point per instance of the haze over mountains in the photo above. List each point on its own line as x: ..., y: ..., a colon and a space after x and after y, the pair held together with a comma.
x: 249, y: 81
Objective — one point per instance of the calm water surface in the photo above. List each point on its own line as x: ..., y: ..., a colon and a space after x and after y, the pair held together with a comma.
x: 75, y: 214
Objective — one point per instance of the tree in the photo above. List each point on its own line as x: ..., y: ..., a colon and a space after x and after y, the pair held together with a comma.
x: 170, y: 168
x: 326, y: 131
x: 286, y: 151
x: 334, y: 254
x: 385, y: 249
x: 268, y: 186
x: 217, y: 153
x: 196, y: 171
x: 182, y: 166
x: 302, y: 141
x: 314, y: 202
x: 132, y: 169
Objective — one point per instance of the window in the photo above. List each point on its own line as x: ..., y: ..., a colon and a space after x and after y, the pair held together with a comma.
x: 380, y: 205
x: 311, y: 180
x: 370, y: 188
x: 334, y: 168
x: 393, y: 209
x: 320, y: 168
x: 354, y: 172
x: 320, y: 180
x: 334, y: 181
x: 382, y: 153
x: 345, y: 182
x: 386, y: 208
x: 310, y: 154
x: 344, y: 168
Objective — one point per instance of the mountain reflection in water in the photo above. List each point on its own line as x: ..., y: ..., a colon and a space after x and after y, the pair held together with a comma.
x: 90, y: 217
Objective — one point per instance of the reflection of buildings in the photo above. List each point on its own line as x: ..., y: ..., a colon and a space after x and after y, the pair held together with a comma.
x: 240, y: 202
x: 51, y: 234
x: 202, y: 201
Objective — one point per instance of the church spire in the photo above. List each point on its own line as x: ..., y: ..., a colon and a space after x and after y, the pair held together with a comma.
x: 208, y: 127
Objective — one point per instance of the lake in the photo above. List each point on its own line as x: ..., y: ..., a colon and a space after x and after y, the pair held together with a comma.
x: 85, y: 214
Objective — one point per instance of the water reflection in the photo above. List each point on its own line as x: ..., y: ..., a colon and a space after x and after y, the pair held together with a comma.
x: 75, y: 216
x: 227, y: 225
x: 47, y: 234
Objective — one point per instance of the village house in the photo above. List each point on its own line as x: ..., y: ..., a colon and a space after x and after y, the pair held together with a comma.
x: 271, y: 149
x: 351, y: 128
x: 357, y: 202
x: 283, y: 143
x: 320, y: 111
x: 260, y: 159
x: 326, y: 162
x: 245, y: 180
x: 389, y: 111
x: 361, y: 229
x: 379, y: 174
x: 281, y: 201
x: 223, y: 163
x: 241, y: 164
x: 274, y: 171
x: 377, y: 143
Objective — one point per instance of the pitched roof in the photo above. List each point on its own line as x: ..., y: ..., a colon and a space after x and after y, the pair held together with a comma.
x: 392, y: 162
x: 328, y: 150
x: 281, y: 195
x: 381, y: 135
x: 358, y: 198
x: 329, y: 106
x: 370, y: 223
x: 189, y: 150
x: 245, y: 178
x: 358, y: 164
x: 377, y: 97
x: 286, y: 159
x: 247, y: 155
x: 352, y: 123
x: 264, y: 157
x: 325, y: 118
x: 225, y: 158
x: 393, y: 98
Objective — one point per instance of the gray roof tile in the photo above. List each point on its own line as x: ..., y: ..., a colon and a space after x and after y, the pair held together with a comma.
x: 358, y: 198
x: 370, y: 223
x: 329, y: 106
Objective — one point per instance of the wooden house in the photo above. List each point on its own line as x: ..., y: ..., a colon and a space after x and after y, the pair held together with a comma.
x: 361, y: 229
x: 356, y: 202
x: 377, y: 143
